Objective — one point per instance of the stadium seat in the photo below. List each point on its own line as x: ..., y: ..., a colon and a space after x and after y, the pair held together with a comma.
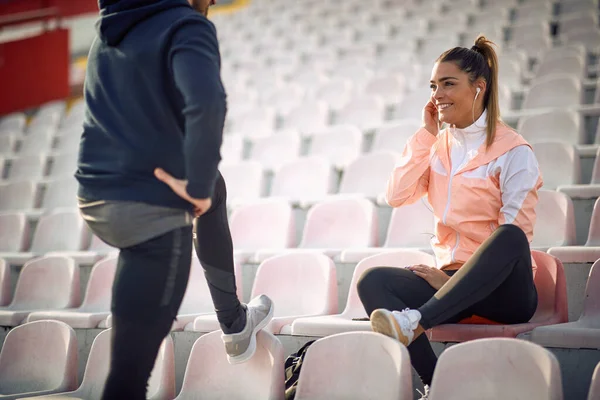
x: 335, y: 93
x: 285, y: 99
x: 583, y: 333
x: 8, y: 142
x: 48, y: 283
x: 553, y: 91
x: 332, y: 371
x: 38, y: 358
x: 5, y: 289
x: 589, y: 38
x: 555, y: 221
x: 256, y: 122
x: 571, y: 65
x: 232, y: 148
x: 513, y: 367
x: 308, y: 117
x: 96, y: 303
x: 69, y: 143
x: 268, y: 224
x: 161, y: 385
x: 412, y: 105
x: 595, y: 384
x: 366, y: 111
x: 13, y: 124
x: 332, y: 324
x: 61, y: 193
x: 14, y: 232
x: 390, y: 88
x: 558, y: 162
x: 300, y: 285
x: 306, y: 180
x: 18, y: 196
x: 556, y: 126
x: 339, y: 144
x: 209, y: 373
x: 552, y: 307
x: 585, y: 190
x: 63, y: 165
x: 275, y: 150
x: 368, y: 174
x: 244, y: 181
x: 27, y: 167
x: 394, y: 135
x: 36, y: 143
x: 510, y: 74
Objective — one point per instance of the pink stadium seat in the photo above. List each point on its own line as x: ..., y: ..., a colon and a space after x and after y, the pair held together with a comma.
x: 232, y: 148
x: 7, y: 144
x: 570, y: 64
x: 308, y: 117
x: 586, y: 191
x: 48, y: 283
x: 368, y: 174
x: 559, y: 163
x: 306, y: 180
x: 275, y: 150
x: 269, y: 224
x: 61, y: 193
x: 256, y: 122
x: 335, y: 92
x: 300, y: 285
x: 366, y: 111
x: 38, y: 358
x: 37, y: 143
x: 356, y: 366
x: 583, y: 333
x: 338, y: 144
x: 209, y: 373
x: 161, y: 385
x: 394, y: 135
x: 69, y: 143
x: 595, y: 385
x: 417, y: 216
x: 13, y: 123
x: 335, y: 225
x: 390, y: 88
x: 332, y: 324
x: 515, y: 368
x: 244, y: 181
x: 555, y: 221
x: 552, y: 307
x: 5, y: 289
x: 63, y: 166
x: 412, y: 105
x: 553, y: 91
x: 560, y: 125
x: 96, y: 303
x: 18, y: 196
x: 14, y: 232
x: 583, y: 254
x: 27, y: 167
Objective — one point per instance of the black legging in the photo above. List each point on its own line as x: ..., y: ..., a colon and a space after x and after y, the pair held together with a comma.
x: 495, y: 283
x: 149, y: 286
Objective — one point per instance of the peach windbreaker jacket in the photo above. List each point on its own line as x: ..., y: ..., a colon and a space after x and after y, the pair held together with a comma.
x: 471, y: 189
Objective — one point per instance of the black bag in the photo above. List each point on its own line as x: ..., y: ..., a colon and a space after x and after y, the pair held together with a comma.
x: 293, y: 365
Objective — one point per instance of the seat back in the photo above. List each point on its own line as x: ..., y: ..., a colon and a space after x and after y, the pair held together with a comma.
x: 18, y: 196
x: 591, y: 301
x: 61, y: 193
x: 595, y: 384
x: 513, y: 367
x: 60, y: 231
x: 244, y: 180
x: 28, y: 167
x: 555, y: 220
x: 594, y: 233
x: 553, y: 91
x: 98, y: 293
x: 419, y: 217
x: 273, y: 151
x: 14, y: 231
x: 559, y: 163
x: 551, y: 288
x: 339, y: 145
x: 268, y: 224
x: 394, y: 136
x: 353, y: 366
x: 307, y: 178
x: 208, y: 371
x: 5, y: 289
x: 559, y: 126
x: 369, y: 173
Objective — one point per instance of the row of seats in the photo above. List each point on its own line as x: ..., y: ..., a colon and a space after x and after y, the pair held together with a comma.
x: 349, y: 366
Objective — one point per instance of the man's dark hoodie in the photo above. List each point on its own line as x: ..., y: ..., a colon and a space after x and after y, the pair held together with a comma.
x: 154, y: 99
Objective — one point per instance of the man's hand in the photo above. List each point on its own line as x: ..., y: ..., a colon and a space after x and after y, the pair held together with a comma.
x: 179, y: 187
x: 435, y: 277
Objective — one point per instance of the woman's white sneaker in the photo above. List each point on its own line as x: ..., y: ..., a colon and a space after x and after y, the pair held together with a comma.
x: 400, y: 325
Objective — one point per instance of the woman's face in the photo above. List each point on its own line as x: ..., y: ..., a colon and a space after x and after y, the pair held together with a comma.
x: 453, y: 95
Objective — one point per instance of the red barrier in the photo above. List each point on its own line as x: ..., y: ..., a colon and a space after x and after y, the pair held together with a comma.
x: 67, y: 8
x: 34, y: 71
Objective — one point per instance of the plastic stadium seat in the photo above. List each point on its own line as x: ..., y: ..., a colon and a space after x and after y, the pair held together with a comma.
x: 244, y: 181
x: 515, y: 368
x: 308, y: 117
x: 43, y: 123
x: 595, y: 384
x: 69, y: 143
x: 209, y: 376
x: 366, y: 111
x: 555, y: 221
x: 48, y: 283
x: 368, y: 174
x: 533, y: 14
x: 232, y: 148
x: 256, y: 122
x: 5, y: 289
x: 335, y: 92
x: 558, y: 162
x: 589, y: 38
x: 96, y: 303
x: 510, y: 74
x: 27, y: 167
x: 13, y: 123
x: 18, y: 196
x: 161, y: 385
x: 331, y: 370
x: 63, y: 165
x: 332, y: 324
x: 552, y: 307
x: 300, y: 285
x: 8, y: 142
x: 418, y: 216
x: 583, y: 333
x: 585, y: 191
x: 572, y: 65
x: 412, y: 105
x: 340, y: 144
x: 553, y: 91
x: 268, y: 224
x: 556, y: 126
x: 275, y: 150
x: 61, y: 193
x: 580, y: 7
x: 286, y: 98
x: 36, y: 143
x: 38, y: 358
x: 14, y: 232
x: 307, y: 179
x: 564, y: 51
x: 390, y: 88
x: 394, y: 135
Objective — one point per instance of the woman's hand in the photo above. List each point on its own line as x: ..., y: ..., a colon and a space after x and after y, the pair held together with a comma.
x: 430, y: 118
x: 435, y: 277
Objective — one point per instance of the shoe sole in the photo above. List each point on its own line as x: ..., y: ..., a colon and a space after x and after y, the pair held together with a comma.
x: 382, y: 321
x: 247, y: 355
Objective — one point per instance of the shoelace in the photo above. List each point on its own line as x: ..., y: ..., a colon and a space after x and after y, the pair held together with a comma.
x: 405, y: 322
x: 424, y: 396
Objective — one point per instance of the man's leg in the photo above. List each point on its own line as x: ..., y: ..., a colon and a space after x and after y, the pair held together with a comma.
x: 149, y: 286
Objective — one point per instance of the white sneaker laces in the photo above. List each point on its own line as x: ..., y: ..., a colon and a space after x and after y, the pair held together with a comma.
x: 408, y: 321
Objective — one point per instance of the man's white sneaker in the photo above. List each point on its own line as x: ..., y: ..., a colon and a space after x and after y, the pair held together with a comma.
x: 400, y: 325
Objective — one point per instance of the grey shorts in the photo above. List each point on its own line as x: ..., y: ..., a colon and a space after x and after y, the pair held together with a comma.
x: 123, y: 224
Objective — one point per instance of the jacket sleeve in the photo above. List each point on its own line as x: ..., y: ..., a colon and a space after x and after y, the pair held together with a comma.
x: 410, y: 178
x: 195, y: 66
x: 520, y: 180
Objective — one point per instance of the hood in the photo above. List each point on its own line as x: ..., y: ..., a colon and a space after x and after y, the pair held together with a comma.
x: 117, y: 17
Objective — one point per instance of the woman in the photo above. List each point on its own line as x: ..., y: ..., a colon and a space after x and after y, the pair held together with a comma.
x: 481, y: 179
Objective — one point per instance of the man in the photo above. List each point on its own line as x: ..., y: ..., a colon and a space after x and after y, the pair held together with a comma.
x: 155, y: 109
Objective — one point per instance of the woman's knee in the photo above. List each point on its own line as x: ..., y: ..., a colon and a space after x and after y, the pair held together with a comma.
x: 371, y: 280
x: 512, y: 236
